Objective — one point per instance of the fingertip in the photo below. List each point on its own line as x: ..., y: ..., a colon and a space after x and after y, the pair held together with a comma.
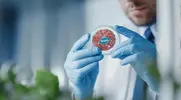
x: 113, y: 55
x: 102, y: 56
x: 86, y: 36
x: 115, y: 48
x: 96, y: 49
x: 81, y: 42
x: 117, y: 26
x: 119, y: 29
x: 123, y: 64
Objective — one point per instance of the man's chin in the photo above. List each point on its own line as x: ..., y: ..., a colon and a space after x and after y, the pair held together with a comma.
x: 141, y: 21
x: 140, y: 24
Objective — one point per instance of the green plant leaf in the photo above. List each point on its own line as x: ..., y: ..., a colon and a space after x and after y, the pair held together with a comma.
x: 47, y: 84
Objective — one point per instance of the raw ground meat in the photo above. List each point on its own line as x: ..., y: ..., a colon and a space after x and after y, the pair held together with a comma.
x: 107, y: 37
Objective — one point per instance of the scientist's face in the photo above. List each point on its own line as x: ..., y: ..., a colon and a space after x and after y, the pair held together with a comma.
x: 140, y: 12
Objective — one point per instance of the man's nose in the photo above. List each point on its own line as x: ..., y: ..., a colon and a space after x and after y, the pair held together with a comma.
x: 133, y: 0
x: 136, y: 2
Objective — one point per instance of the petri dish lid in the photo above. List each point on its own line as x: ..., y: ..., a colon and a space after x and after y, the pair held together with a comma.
x: 105, y: 38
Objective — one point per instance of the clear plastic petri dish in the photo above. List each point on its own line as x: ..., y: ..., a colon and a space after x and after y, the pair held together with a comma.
x: 106, y: 38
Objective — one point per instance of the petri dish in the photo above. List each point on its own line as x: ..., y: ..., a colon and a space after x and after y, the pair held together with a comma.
x: 105, y: 38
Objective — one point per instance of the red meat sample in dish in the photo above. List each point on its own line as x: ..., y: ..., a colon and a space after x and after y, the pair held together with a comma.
x: 104, y: 39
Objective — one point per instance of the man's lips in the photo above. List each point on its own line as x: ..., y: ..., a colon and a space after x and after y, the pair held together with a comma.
x: 138, y: 8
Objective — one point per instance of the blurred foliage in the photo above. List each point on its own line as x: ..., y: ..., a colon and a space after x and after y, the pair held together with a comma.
x: 153, y: 70
x: 46, y: 87
x: 47, y: 84
x: 99, y: 98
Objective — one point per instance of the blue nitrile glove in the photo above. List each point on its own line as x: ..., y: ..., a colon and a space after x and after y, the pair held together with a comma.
x: 139, y: 53
x: 82, y: 67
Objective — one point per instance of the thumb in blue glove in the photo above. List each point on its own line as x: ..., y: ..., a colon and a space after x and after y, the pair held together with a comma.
x: 138, y: 52
x: 82, y: 67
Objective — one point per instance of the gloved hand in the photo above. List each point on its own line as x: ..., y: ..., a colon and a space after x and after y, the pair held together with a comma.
x: 139, y: 53
x: 82, y: 67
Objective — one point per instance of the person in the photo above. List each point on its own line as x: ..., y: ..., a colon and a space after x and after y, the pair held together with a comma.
x: 139, y: 51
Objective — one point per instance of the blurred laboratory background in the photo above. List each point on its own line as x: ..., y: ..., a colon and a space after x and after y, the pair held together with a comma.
x: 38, y: 34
